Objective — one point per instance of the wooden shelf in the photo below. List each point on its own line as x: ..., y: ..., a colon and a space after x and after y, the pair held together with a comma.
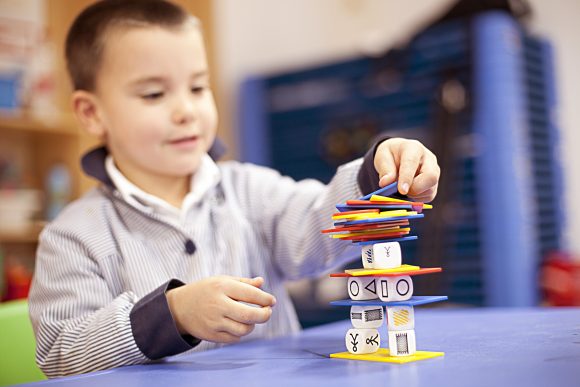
x: 63, y: 124
x: 34, y: 144
x: 29, y: 235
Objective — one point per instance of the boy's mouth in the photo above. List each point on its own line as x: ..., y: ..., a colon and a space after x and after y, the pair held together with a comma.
x: 185, y: 142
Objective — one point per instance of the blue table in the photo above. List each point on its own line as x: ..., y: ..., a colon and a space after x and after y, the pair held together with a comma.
x: 483, y: 347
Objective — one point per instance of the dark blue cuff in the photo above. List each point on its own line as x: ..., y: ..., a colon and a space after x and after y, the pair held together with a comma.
x: 368, y: 177
x: 153, y: 326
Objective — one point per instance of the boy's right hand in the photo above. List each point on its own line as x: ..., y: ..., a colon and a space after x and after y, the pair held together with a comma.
x: 212, y: 309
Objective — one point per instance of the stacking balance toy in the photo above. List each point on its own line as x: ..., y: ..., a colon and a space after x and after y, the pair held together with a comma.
x: 383, y: 288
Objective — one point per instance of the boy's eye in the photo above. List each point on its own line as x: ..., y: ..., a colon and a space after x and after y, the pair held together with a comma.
x: 198, y: 89
x: 152, y: 96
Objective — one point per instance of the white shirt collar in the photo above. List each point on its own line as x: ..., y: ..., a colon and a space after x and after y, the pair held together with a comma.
x: 206, y: 177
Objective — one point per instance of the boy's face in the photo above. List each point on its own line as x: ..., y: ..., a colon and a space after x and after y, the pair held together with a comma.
x: 153, y: 103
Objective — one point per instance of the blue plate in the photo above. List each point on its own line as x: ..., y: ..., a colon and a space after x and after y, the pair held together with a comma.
x: 387, y: 190
x: 415, y: 300
x: 401, y: 239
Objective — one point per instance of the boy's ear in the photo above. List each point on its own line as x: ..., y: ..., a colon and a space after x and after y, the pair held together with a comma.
x: 86, y: 108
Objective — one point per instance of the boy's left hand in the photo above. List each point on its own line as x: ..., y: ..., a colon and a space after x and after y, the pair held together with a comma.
x: 412, y: 164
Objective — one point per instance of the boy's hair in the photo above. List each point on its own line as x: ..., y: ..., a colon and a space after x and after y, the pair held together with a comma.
x: 86, y: 37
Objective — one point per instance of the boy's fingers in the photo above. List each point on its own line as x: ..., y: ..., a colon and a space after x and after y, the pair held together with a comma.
x: 410, y: 158
x: 414, y: 166
x: 385, y: 166
x: 426, y: 196
x: 247, y: 314
x: 256, y: 281
x: 236, y: 328
x: 425, y: 183
x: 241, y: 291
x: 223, y: 337
x: 422, y: 183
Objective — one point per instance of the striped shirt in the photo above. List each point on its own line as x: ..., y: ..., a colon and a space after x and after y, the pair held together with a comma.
x: 98, y: 296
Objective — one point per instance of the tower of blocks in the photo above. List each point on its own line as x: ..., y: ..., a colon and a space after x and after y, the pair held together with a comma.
x: 378, y: 223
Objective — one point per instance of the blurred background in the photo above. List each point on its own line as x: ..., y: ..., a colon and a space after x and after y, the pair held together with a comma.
x: 304, y: 86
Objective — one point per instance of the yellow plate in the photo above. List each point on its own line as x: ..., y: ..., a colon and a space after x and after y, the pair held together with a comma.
x: 361, y: 272
x: 383, y: 355
x: 383, y: 214
x: 379, y: 198
x: 372, y: 232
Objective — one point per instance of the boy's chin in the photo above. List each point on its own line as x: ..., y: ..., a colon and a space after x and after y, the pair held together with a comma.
x: 189, y: 169
x: 182, y: 166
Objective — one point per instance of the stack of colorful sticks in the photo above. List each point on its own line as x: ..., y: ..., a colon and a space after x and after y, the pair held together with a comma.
x: 376, y: 218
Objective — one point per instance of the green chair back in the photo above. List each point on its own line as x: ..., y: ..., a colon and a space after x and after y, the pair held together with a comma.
x: 17, y: 345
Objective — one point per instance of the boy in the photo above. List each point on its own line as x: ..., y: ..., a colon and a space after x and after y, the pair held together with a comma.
x: 172, y: 251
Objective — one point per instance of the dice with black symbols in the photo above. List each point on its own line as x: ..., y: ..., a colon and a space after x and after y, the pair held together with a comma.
x: 362, y: 341
x: 385, y: 255
x: 402, y: 343
x: 395, y: 288
x: 400, y: 318
x: 365, y: 317
x: 362, y: 288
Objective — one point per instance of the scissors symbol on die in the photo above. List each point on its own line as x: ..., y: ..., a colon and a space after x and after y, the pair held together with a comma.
x: 354, y: 342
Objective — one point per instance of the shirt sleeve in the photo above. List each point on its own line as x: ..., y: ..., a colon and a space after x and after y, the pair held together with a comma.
x: 290, y: 215
x: 368, y: 178
x: 81, y: 325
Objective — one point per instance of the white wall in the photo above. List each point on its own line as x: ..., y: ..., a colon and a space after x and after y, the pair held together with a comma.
x: 558, y: 20
x: 257, y: 36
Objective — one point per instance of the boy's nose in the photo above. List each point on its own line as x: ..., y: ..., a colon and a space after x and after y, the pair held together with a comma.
x: 184, y: 112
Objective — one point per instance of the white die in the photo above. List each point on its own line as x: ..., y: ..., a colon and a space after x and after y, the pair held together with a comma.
x: 400, y: 318
x: 361, y: 341
x: 402, y: 343
x: 381, y: 255
x: 362, y: 288
x: 366, y: 317
x: 395, y: 288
